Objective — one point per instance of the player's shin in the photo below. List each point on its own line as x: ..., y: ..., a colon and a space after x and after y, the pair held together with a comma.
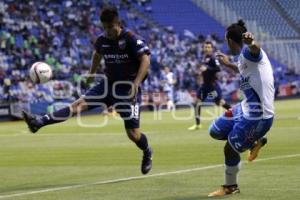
x: 232, y: 165
x: 197, y: 113
x: 57, y: 116
x: 142, y: 143
x: 231, y: 174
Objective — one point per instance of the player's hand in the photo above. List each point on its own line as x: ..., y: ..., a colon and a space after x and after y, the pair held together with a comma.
x: 248, y: 38
x: 223, y: 59
x: 203, y: 68
x: 133, y: 91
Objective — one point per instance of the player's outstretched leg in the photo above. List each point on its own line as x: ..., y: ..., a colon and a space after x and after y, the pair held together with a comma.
x: 254, y: 151
x: 36, y: 122
x: 232, y: 168
x: 141, y: 141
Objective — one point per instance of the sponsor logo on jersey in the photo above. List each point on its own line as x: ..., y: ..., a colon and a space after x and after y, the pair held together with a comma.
x: 245, y: 83
x: 116, y: 56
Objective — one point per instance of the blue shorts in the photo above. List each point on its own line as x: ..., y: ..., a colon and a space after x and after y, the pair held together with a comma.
x: 105, y: 95
x: 209, y: 92
x: 240, y: 132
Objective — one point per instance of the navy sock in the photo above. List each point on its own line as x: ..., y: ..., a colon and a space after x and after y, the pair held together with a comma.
x: 197, y: 114
x: 57, y: 116
x: 226, y: 106
x: 143, y: 143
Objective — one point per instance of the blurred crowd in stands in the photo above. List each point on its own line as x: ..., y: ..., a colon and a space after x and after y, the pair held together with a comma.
x: 62, y: 34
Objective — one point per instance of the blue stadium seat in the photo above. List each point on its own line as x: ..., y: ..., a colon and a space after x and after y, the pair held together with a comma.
x: 292, y: 8
x: 183, y: 15
x: 263, y: 13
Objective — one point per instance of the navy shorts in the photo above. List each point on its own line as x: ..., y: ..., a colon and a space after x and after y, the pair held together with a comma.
x: 240, y: 132
x: 212, y: 91
x: 117, y: 95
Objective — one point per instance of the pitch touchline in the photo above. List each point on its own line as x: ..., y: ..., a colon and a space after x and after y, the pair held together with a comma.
x: 135, y: 178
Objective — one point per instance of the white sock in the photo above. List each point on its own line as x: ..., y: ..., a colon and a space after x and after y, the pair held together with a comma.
x: 170, y: 105
x: 231, y: 174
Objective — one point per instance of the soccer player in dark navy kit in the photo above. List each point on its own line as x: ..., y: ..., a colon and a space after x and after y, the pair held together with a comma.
x: 127, y: 60
x: 210, y: 88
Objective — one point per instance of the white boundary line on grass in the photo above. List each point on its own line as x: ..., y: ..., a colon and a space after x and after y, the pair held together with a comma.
x: 135, y: 178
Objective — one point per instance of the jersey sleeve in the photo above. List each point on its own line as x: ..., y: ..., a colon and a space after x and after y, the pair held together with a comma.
x: 138, y: 45
x: 97, y: 45
x: 246, y: 53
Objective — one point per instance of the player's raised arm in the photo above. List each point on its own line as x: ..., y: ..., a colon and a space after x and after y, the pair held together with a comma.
x: 254, y: 48
x: 96, y: 58
x: 224, y: 60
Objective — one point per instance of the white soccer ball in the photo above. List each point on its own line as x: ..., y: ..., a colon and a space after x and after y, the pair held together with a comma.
x: 40, y: 72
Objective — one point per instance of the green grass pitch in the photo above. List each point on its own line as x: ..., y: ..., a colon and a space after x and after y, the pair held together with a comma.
x: 71, y: 162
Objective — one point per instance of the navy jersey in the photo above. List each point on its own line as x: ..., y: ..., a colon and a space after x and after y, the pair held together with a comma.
x: 122, y: 55
x: 213, y: 66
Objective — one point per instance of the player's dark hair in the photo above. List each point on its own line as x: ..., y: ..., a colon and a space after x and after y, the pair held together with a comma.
x: 208, y: 42
x: 235, y: 31
x: 108, y: 14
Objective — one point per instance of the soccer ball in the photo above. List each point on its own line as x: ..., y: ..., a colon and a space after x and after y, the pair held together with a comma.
x: 40, y: 72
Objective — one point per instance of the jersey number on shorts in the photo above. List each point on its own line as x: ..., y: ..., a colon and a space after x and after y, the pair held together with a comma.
x: 135, y: 111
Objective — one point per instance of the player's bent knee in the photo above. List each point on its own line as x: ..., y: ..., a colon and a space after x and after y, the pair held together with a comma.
x: 79, y: 105
x: 214, y: 133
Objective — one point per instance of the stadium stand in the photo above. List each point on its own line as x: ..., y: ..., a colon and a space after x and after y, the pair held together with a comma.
x: 183, y: 15
x: 264, y: 15
x: 62, y: 34
x: 291, y: 7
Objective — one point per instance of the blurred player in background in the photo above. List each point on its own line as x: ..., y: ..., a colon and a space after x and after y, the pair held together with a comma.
x: 168, y: 82
x: 244, y: 127
x: 210, y: 88
x: 126, y: 59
